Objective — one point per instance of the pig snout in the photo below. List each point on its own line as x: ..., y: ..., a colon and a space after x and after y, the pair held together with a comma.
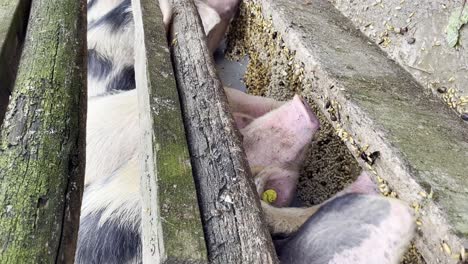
x: 282, y: 181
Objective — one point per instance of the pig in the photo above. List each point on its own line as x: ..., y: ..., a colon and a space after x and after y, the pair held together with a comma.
x: 111, y: 210
x: 353, y: 227
x: 111, y: 39
x: 282, y: 136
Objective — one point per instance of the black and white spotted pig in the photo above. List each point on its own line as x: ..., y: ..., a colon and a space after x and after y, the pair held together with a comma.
x: 110, y: 217
x: 111, y: 39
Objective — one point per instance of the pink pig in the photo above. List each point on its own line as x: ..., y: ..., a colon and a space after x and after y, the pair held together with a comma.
x: 275, y: 140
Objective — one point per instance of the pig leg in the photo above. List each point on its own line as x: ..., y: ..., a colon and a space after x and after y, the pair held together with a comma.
x: 216, y: 34
x: 352, y: 229
x: 288, y: 220
x: 363, y: 184
x: 226, y: 10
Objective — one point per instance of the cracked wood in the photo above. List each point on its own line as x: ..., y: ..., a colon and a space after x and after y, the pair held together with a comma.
x: 42, y: 138
x: 233, y: 223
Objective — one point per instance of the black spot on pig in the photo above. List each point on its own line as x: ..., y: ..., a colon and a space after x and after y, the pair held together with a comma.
x: 91, y: 3
x: 340, y: 224
x: 117, y: 18
x: 98, y: 65
x: 110, y: 242
x: 124, y: 81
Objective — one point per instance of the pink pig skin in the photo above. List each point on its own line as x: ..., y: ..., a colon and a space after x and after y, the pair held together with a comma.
x: 279, y: 139
x: 216, y: 16
x: 363, y: 185
x: 254, y: 106
x: 225, y: 8
x: 280, y: 136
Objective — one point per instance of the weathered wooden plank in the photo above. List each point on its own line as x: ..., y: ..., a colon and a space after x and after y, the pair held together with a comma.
x: 172, y: 229
x: 230, y: 207
x: 13, y: 21
x: 42, y: 139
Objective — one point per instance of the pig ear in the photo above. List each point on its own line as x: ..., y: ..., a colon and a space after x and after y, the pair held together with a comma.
x: 242, y: 120
x: 210, y: 18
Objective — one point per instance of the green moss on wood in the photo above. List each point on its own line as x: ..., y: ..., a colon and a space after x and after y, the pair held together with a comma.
x: 13, y: 20
x: 41, y: 139
x: 180, y: 216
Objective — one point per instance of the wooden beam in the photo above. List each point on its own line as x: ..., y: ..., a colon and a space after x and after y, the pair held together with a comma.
x: 172, y: 229
x: 42, y: 140
x: 231, y: 214
x: 13, y: 21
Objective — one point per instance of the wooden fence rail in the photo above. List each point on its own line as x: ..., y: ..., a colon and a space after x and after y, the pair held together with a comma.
x: 231, y: 213
x: 172, y: 230
x: 42, y: 139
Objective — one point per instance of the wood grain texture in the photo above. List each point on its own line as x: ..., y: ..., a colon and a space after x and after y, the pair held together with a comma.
x: 231, y: 214
x: 172, y: 229
x: 13, y: 21
x: 42, y: 140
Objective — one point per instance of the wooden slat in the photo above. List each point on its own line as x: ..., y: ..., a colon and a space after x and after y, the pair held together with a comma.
x: 172, y: 229
x: 13, y: 21
x: 230, y: 207
x: 42, y: 140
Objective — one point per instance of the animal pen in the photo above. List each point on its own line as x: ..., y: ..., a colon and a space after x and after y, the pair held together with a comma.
x: 199, y: 199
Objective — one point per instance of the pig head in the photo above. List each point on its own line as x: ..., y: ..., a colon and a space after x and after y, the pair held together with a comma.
x: 276, y: 136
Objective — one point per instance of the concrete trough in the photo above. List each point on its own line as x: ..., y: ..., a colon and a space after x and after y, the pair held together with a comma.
x: 415, y: 146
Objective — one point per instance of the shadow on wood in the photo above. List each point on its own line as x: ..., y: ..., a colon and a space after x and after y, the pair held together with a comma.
x: 42, y: 139
x: 13, y: 21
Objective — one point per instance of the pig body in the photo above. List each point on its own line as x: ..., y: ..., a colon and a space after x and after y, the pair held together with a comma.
x: 111, y: 39
x: 351, y: 229
x: 356, y: 226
